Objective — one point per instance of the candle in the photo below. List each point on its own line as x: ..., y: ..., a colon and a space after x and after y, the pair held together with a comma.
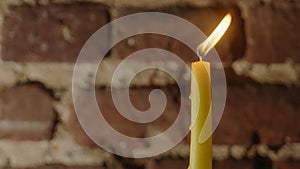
x: 201, y: 152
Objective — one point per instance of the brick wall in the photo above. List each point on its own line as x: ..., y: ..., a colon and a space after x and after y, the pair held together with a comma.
x: 41, y: 39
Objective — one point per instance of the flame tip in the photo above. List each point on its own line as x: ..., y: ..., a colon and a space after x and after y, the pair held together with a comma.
x: 228, y: 17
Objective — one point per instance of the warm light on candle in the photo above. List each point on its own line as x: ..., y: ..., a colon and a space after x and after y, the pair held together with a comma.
x: 215, y: 36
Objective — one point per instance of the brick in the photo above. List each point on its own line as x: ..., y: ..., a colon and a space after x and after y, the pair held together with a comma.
x: 233, y: 164
x: 253, y: 163
x: 51, y: 33
x: 167, y: 163
x: 129, y: 163
x: 263, y: 114
x: 253, y: 114
x: 110, y: 165
x: 286, y: 164
x: 234, y: 79
x: 230, y: 47
x: 72, y: 124
x: 26, y: 113
x: 272, y: 31
x: 68, y: 167
x: 139, y: 98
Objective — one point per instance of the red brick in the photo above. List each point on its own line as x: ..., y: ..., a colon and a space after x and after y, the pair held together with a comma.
x: 128, y: 163
x: 167, y: 164
x: 233, y: 79
x: 36, y: 33
x: 286, y: 164
x: 139, y: 98
x: 259, y: 113
x: 110, y: 165
x: 105, y: 165
x: 68, y: 167
x: 230, y: 47
x: 272, y: 31
x: 26, y: 113
x: 253, y: 114
x: 234, y: 164
x: 72, y: 124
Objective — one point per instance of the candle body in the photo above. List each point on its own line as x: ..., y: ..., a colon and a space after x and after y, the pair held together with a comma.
x: 200, y: 153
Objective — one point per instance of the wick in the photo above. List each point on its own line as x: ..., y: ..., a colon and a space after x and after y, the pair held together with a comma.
x: 200, y: 57
x: 200, y: 53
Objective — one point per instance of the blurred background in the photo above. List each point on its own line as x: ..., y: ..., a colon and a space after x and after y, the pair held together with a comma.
x: 41, y: 39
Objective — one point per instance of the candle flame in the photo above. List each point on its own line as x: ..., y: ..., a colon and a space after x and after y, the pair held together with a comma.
x: 215, y: 36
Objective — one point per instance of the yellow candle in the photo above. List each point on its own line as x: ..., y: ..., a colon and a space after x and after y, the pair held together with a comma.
x: 200, y: 153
